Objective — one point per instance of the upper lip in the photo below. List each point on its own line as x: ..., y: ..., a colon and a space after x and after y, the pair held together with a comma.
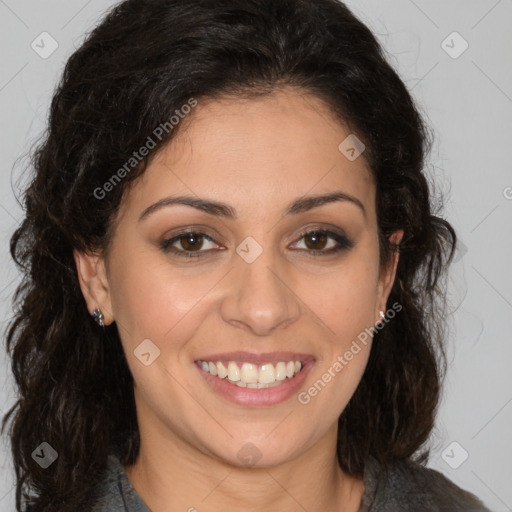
x: 258, y: 358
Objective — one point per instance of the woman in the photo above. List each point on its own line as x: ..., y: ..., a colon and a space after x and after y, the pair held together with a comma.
x: 233, y: 272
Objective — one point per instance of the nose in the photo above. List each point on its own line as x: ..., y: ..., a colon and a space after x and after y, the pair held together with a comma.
x: 260, y: 297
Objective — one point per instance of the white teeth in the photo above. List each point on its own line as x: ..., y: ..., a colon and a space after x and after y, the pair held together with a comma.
x: 267, y: 374
x: 213, y: 368
x: 251, y: 375
x: 255, y: 385
x: 221, y: 371
x: 280, y: 371
x: 233, y: 371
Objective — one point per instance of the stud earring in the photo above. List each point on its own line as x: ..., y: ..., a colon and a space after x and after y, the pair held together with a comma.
x: 380, y: 324
x: 98, y: 317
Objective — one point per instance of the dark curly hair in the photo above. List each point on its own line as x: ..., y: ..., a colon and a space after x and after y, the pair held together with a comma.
x: 144, y: 61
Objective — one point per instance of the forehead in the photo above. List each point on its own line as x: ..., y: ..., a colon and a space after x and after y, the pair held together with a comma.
x: 264, y: 150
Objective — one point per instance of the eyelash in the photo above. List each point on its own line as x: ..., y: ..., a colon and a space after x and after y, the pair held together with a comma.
x: 342, y: 240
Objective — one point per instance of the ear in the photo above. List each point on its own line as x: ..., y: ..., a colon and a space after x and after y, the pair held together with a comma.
x: 92, y: 275
x: 387, y: 275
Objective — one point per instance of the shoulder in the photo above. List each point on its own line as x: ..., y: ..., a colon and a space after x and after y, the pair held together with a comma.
x: 409, y: 486
x: 114, y: 491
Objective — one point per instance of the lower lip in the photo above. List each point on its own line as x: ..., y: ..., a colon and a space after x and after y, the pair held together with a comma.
x: 253, y: 396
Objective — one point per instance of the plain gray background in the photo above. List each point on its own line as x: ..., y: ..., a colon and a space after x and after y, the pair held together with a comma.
x: 466, y: 94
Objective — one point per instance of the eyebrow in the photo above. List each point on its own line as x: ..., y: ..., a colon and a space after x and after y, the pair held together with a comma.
x: 300, y: 205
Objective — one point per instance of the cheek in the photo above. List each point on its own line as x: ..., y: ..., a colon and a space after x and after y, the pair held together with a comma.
x: 159, y: 302
x: 344, y: 298
x: 149, y: 297
x: 154, y: 301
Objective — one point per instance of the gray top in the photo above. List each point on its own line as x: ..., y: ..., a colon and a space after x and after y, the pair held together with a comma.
x: 407, y: 487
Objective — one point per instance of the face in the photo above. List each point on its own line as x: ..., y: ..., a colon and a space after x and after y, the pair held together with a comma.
x: 267, y: 276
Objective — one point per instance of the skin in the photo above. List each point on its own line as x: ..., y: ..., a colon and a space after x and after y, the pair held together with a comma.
x: 256, y: 155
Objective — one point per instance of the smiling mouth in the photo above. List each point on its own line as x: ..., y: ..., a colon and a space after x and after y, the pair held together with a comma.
x: 248, y: 375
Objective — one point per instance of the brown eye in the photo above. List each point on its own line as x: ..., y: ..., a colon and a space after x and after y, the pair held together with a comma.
x: 316, y: 240
x: 320, y: 242
x: 188, y: 244
x: 191, y: 241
